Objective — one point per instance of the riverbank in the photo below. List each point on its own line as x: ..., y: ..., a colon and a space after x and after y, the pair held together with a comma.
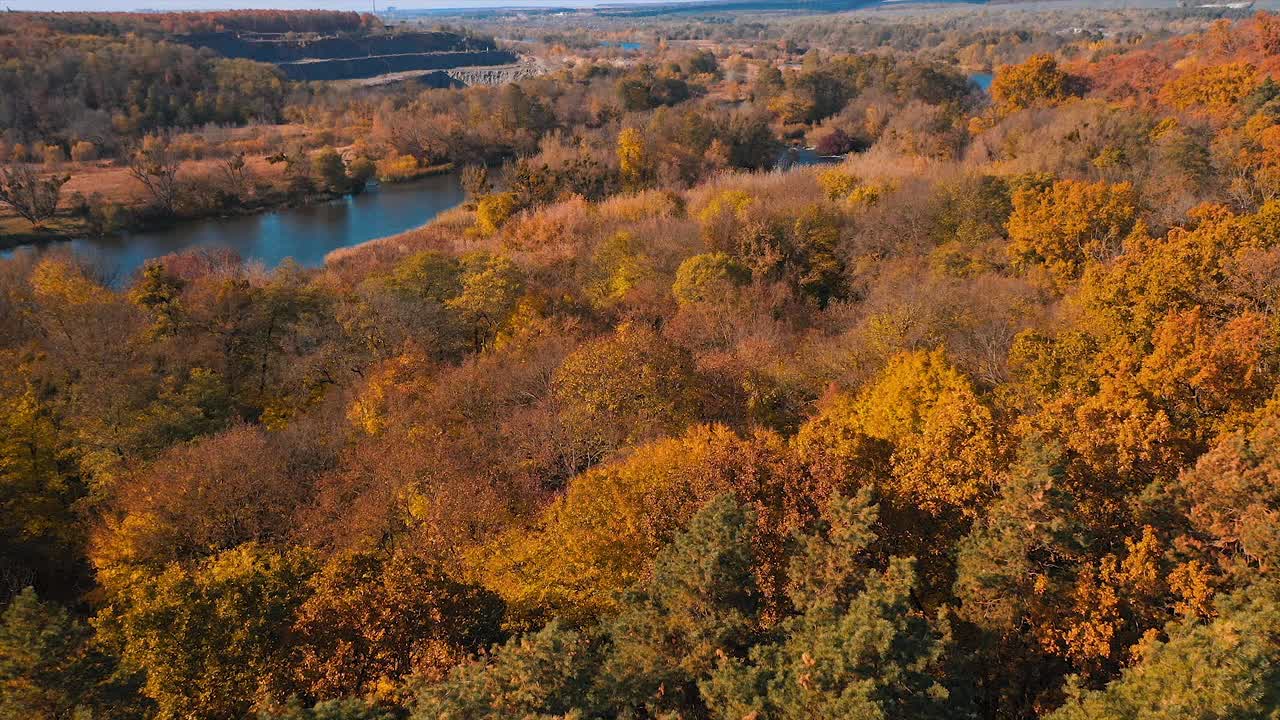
x: 305, y: 233
x: 117, y: 191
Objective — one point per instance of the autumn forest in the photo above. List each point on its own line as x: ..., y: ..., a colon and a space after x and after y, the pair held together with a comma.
x: 774, y: 368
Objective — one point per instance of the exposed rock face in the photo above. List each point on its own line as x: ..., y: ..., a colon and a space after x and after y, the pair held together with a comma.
x: 276, y: 48
x: 367, y: 67
x: 463, y: 76
x: 499, y: 75
x: 314, y: 57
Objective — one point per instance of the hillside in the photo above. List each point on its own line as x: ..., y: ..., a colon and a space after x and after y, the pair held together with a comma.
x: 331, y: 57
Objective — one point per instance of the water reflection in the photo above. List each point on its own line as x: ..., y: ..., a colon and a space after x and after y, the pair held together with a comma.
x: 305, y: 234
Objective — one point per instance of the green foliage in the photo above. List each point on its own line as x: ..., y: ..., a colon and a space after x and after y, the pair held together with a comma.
x: 50, y: 666
x: 542, y: 676
x: 700, y: 607
x: 209, y: 637
x: 330, y: 170
x: 858, y: 649
x: 1223, y: 668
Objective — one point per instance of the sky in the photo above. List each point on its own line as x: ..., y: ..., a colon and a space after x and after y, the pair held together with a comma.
x: 363, y: 5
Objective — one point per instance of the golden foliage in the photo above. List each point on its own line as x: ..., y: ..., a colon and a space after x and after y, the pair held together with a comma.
x: 1069, y: 224
x: 945, y: 439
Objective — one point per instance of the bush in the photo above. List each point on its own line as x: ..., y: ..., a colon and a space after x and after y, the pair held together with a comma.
x: 84, y: 151
x: 837, y: 142
x: 361, y: 170
x: 708, y: 277
x: 837, y: 183
x: 53, y: 155
x: 494, y: 210
x: 397, y: 168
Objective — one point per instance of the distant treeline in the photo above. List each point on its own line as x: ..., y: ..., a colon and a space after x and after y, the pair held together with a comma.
x: 262, y: 21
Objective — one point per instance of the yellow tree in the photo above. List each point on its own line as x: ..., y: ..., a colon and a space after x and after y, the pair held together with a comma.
x: 1037, y: 81
x: 602, y: 535
x: 1214, y: 90
x: 945, y: 439
x: 1065, y: 226
x: 633, y: 158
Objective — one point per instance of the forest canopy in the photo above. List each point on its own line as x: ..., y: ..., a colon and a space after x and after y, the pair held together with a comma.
x: 979, y: 419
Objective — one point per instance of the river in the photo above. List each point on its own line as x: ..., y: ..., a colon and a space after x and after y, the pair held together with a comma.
x: 305, y: 233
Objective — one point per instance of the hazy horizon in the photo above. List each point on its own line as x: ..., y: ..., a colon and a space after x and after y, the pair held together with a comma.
x: 197, y: 5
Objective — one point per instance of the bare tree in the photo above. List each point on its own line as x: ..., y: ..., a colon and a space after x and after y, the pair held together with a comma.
x: 156, y: 167
x: 475, y: 181
x: 30, y: 196
x: 235, y: 174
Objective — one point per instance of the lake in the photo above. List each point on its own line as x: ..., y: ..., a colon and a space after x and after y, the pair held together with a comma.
x: 983, y: 80
x: 306, y: 233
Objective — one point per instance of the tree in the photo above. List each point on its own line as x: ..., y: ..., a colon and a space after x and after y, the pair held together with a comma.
x: 41, y: 542
x: 347, y: 709
x: 493, y: 210
x: 547, y: 674
x: 1070, y: 224
x: 155, y: 165
x: 945, y: 439
x: 35, y: 199
x: 359, y: 172
x: 198, y: 499
x: 709, y: 277
x: 1225, y: 668
x: 160, y: 294
x: 330, y: 170
x: 211, y: 637
x: 633, y: 162
x: 602, y: 535
x: 1214, y: 90
x: 375, y: 618
x: 1232, y: 495
x: 628, y: 386
x: 491, y: 286
x: 836, y: 142
x: 1037, y: 80
x: 858, y: 648
x: 700, y: 608
x: 475, y: 181
x: 51, y: 668
x: 235, y: 174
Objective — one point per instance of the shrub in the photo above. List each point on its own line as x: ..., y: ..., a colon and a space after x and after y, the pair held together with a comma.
x: 397, y: 168
x: 84, y: 151
x: 494, y: 210
x: 54, y: 155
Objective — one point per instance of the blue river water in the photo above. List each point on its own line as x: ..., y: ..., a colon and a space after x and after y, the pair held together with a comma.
x: 306, y: 233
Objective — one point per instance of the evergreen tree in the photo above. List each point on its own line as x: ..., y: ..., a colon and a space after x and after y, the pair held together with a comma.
x: 50, y: 667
